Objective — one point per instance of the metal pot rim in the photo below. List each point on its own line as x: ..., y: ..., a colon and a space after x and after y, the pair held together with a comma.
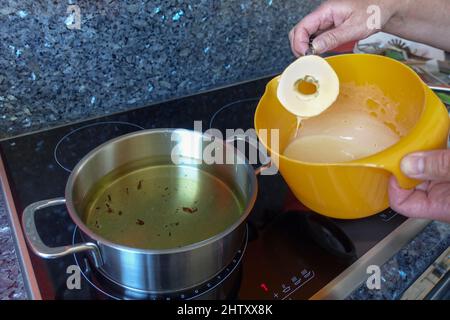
x: 82, y: 226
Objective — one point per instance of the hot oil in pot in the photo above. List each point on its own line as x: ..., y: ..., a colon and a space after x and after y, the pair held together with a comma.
x: 360, y: 123
x: 161, y: 206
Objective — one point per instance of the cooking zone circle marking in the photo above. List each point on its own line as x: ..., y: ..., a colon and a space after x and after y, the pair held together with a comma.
x: 210, y: 285
x: 230, y: 105
x: 126, y: 127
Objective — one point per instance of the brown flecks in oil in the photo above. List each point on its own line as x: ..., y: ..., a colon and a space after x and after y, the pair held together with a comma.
x: 120, y: 213
x: 139, y: 222
x: 166, y: 188
x: 109, y: 198
x: 139, y: 186
x: 190, y: 210
x: 173, y: 224
x: 97, y: 208
x: 127, y: 191
x: 170, y: 234
x: 108, y: 208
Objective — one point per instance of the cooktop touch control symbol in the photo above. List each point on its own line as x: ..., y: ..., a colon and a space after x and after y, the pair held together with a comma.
x: 296, y: 281
x: 388, y: 215
x: 264, y: 287
x: 285, y: 288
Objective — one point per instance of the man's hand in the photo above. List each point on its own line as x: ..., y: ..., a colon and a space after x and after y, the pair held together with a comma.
x: 431, y: 199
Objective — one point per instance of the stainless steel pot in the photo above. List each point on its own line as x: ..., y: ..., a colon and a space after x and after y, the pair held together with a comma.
x: 154, y: 271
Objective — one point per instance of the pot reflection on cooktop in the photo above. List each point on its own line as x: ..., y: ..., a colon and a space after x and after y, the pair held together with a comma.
x: 225, y: 285
x: 76, y: 144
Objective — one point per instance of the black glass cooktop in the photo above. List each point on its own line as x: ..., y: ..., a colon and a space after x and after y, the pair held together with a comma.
x: 290, y: 253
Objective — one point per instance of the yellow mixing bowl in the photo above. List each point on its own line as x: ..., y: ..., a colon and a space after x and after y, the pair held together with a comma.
x: 358, y: 188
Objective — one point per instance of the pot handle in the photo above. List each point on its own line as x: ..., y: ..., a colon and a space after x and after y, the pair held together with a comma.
x: 253, y: 142
x: 39, y: 247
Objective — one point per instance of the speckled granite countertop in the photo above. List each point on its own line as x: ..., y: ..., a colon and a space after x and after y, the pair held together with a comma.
x: 126, y: 53
x: 11, y: 281
x: 399, y: 272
